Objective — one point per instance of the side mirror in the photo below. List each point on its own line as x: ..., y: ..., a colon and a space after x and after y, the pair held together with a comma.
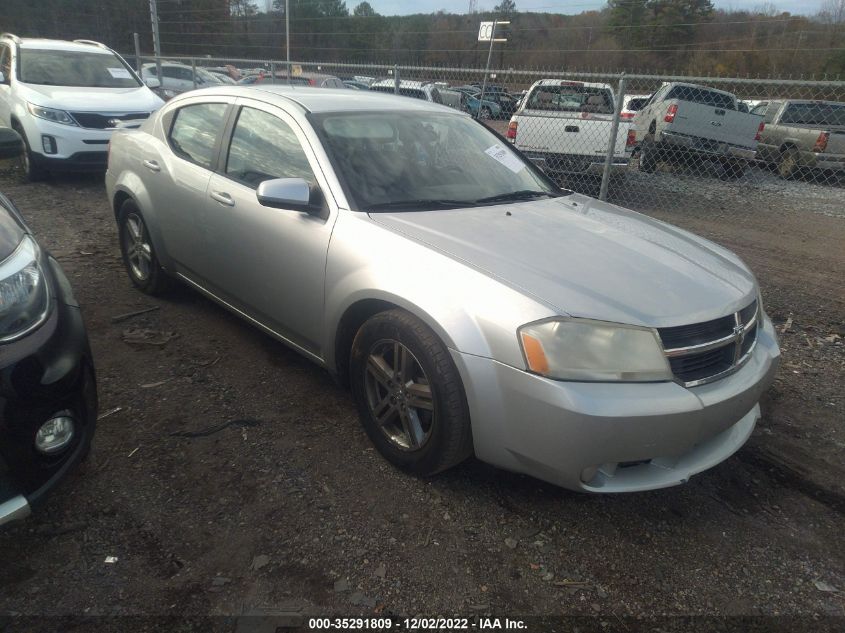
x: 152, y: 82
x: 290, y: 193
x: 11, y: 143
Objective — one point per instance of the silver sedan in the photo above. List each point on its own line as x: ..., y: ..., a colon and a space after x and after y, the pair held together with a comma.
x: 471, y: 305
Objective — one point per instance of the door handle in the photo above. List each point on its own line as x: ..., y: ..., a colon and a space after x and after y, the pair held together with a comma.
x: 223, y: 198
x: 152, y: 165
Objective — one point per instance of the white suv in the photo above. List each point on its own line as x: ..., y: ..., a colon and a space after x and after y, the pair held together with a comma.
x: 66, y: 98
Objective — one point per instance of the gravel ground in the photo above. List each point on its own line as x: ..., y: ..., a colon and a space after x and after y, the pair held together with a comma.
x: 289, y: 507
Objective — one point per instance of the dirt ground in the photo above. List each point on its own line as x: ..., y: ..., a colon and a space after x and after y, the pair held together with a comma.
x: 289, y: 507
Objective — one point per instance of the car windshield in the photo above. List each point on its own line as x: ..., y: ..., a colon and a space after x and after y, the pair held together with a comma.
x: 81, y: 69
x: 571, y: 98
x: 831, y: 114
x: 396, y: 160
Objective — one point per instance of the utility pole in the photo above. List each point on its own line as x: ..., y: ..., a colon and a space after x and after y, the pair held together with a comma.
x: 156, y: 39
x: 287, y: 36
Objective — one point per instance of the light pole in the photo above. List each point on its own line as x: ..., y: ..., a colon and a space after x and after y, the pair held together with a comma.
x: 488, y: 28
x: 156, y: 40
x: 287, y: 36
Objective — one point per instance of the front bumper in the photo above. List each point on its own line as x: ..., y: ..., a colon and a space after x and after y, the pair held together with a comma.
x: 45, y: 373
x: 76, y: 148
x: 612, y: 437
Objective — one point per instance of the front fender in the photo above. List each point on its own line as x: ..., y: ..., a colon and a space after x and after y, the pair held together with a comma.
x: 470, y: 311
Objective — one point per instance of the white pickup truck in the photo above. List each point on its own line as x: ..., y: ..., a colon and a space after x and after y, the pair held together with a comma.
x: 564, y: 127
x: 684, y: 121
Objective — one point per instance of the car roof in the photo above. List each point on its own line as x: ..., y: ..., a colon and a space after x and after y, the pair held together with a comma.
x: 61, y: 45
x: 319, y: 100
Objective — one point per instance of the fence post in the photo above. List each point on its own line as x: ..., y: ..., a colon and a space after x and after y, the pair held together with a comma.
x: 272, y: 72
x: 194, y: 71
x: 138, y: 54
x: 396, y: 79
x: 611, y: 144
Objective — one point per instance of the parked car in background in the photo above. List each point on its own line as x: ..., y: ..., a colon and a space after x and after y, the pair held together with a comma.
x: 424, y: 90
x: 800, y: 135
x: 177, y: 78
x: 356, y: 85
x: 249, y: 80
x: 66, y: 98
x: 226, y: 71
x: 506, y: 102
x: 315, y: 80
x: 471, y: 305
x: 48, y: 389
x: 683, y: 122
x: 565, y: 127
x: 485, y: 109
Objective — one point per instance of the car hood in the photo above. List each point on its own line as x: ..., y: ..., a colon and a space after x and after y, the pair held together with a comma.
x: 589, y: 259
x: 140, y: 99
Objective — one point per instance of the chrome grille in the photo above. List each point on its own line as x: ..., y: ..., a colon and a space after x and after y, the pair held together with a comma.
x: 703, y: 352
x: 101, y: 121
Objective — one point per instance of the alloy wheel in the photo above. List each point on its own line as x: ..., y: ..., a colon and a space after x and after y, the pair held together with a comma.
x: 399, y: 395
x: 138, y: 249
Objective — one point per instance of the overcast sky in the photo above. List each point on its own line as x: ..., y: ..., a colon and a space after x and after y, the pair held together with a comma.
x: 401, y: 7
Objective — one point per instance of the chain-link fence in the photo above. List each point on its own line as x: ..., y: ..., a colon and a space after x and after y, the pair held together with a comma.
x: 641, y: 141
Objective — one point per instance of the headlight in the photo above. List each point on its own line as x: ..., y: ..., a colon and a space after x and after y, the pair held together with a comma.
x: 24, y: 297
x: 586, y: 350
x: 56, y: 116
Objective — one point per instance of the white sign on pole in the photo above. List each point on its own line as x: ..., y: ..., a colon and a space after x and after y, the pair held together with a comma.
x: 486, y: 31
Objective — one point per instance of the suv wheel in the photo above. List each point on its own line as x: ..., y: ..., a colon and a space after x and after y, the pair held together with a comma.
x: 31, y: 171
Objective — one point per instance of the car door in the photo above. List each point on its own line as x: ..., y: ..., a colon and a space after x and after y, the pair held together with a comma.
x: 267, y: 262
x: 176, y: 174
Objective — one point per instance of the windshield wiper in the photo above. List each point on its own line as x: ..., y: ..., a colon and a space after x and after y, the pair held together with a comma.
x: 522, y: 194
x: 421, y: 204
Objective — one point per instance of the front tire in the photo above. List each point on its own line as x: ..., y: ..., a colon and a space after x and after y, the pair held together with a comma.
x: 138, y: 252
x: 486, y: 113
x: 31, y: 171
x: 409, y: 394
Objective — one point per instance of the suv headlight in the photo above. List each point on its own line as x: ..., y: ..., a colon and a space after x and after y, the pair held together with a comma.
x: 50, y: 114
x: 595, y: 351
x: 24, y: 297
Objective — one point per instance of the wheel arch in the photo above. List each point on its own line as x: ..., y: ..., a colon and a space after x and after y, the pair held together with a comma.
x: 130, y: 187
x: 356, y: 313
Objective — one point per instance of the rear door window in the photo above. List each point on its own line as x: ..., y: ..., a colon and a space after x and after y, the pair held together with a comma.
x: 195, y: 130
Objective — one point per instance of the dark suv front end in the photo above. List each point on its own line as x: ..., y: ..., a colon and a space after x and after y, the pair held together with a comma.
x: 48, y: 393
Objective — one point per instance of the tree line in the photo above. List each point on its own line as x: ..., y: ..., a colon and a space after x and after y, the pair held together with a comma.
x: 684, y: 36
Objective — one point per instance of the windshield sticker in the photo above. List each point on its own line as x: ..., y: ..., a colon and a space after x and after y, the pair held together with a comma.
x: 119, y: 73
x: 507, y: 158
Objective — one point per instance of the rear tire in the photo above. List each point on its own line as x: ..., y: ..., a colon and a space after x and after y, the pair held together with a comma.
x: 31, y: 171
x: 138, y: 252
x: 409, y: 394
x: 647, y: 162
x: 789, y: 164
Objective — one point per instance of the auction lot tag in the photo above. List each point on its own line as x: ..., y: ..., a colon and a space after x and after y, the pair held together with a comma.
x: 502, y: 155
x: 120, y: 73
